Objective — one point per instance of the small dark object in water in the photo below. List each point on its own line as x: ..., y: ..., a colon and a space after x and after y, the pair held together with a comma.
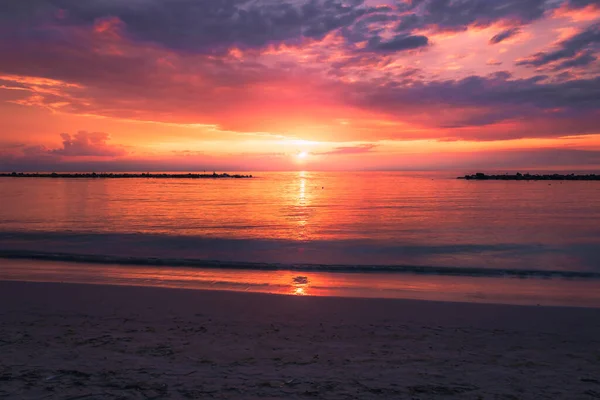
x: 300, y: 280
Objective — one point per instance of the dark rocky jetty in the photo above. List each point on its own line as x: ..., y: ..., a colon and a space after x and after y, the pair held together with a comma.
x: 103, y: 175
x: 479, y: 176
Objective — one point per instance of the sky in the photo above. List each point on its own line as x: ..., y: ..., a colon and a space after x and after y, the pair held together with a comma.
x: 169, y: 85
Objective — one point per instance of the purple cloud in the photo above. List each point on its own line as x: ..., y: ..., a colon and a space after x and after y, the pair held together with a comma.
x: 397, y: 43
x: 211, y: 26
x: 508, y: 33
x: 568, y: 49
x: 458, y: 15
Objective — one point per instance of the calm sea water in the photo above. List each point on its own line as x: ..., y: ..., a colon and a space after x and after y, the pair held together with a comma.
x: 350, y: 219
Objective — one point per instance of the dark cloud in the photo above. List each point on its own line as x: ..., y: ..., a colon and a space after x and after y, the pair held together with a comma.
x: 495, y: 90
x: 581, y: 60
x: 569, y: 48
x: 559, y: 108
x: 575, y: 4
x: 205, y: 26
x: 458, y: 15
x: 397, y: 43
x: 369, y: 26
x: 214, y: 26
x: 508, y: 33
x: 564, y: 76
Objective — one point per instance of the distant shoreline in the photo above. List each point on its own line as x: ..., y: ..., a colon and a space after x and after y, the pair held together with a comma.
x: 111, y: 175
x: 479, y: 176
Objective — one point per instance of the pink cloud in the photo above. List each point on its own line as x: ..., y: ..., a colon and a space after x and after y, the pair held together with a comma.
x: 346, y: 150
x: 88, y: 145
x: 92, y: 144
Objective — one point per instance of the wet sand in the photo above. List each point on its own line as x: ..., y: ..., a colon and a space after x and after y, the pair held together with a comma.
x: 74, y: 341
x: 471, y: 289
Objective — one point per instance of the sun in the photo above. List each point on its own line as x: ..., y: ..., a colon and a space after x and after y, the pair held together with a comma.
x: 302, y: 154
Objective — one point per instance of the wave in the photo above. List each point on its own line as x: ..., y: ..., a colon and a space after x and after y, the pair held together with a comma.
x: 233, y: 265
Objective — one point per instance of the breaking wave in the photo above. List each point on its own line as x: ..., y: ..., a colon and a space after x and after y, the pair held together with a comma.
x: 233, y: 265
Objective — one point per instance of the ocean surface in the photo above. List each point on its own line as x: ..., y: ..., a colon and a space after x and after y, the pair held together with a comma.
x: 382, y: 222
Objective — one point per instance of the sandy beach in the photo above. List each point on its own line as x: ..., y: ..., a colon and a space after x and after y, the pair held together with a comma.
x: 73, y: 341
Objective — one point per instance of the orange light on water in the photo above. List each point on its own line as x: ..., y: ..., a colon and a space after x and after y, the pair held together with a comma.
x: 299, y: 291
x: 300, y: 285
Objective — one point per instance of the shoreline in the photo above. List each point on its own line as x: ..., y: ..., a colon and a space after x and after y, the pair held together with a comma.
x: 466, y: 289
x: 102, y: 342
x: 83, y: 258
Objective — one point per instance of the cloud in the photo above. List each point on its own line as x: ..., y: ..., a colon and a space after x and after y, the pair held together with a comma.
x: 149, y: 84
x: 346, y: 150
x: 211, y: 26
x: 80, y: 145
x: 216, y: 26
x: 397, y: 43
x: 494, y: 90
x: 88, y: 144
x: 477, y: 101
x: 280, y: 65
x: 575, y: 4
x: 35, y: 151
x: 92, y: 73
x: 508, y: 33
x: 589, y: 38
x: 449, y: 15
x: 493, y: 61
x: 581, y: 60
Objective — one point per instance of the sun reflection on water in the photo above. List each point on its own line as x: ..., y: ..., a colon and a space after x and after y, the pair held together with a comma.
x: 302, y: 195
x: 301, y: 204
x: 300, y: 285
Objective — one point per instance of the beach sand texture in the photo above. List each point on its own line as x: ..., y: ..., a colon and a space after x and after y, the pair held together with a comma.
x: 70, y: 341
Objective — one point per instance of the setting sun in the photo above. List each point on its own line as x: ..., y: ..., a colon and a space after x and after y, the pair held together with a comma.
x: 302, y: 154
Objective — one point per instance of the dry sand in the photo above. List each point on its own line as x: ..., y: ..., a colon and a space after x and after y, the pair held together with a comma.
x: 68, y: 341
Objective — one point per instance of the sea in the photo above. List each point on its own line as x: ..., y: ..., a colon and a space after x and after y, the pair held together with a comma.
x: 424, y: 235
